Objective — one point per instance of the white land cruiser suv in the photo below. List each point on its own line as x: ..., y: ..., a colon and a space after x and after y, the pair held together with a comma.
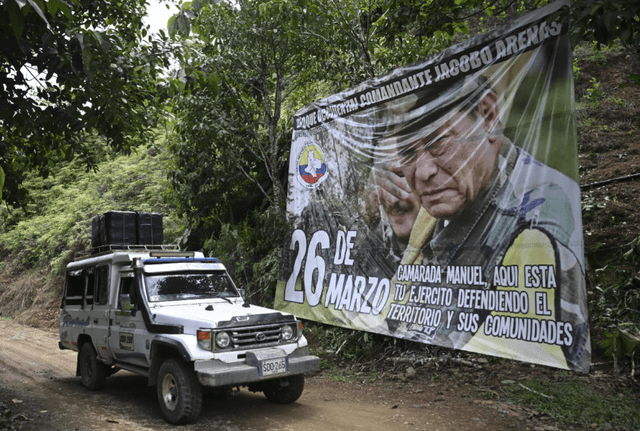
x: 177, y: 318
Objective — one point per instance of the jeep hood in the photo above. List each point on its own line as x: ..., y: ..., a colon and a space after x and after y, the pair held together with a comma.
x: 215, y: 315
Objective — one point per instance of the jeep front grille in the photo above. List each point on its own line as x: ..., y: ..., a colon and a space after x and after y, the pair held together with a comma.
x: 257, y: 336
x: 250, y: 337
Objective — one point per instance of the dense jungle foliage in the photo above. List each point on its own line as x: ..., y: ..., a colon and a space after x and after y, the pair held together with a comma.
x: 196, y: 124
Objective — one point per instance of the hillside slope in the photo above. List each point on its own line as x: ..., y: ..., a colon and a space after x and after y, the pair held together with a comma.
x: 609, y: 143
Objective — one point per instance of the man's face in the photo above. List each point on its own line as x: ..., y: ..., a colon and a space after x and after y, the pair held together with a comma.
x: 447, y: 169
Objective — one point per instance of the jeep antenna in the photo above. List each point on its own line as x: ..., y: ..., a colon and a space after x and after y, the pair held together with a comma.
x: 246, y: 303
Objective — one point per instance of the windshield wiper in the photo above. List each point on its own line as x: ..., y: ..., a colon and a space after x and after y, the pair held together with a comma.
x: 223, y: 296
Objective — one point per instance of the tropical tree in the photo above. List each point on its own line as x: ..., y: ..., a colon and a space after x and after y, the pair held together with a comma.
x: 71, y: 70
x: 365, y: 38
x: 244, y: 72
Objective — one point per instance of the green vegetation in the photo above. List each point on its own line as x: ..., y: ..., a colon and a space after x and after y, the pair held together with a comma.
x: 345, y: 343
x: 594, y: 94
x: 57, y: 221
x: 573, y: 402
x: 251, y: 251
x: 616, y: 307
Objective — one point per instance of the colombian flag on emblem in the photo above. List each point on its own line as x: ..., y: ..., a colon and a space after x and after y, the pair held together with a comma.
x: 311, y: 165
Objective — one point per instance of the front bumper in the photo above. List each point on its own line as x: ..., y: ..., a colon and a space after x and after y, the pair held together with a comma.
x: 218, y: 373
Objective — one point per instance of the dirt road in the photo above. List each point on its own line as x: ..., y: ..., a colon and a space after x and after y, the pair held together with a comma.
x: 39, y: 387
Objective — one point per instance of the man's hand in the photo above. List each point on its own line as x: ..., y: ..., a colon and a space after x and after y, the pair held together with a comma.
x: 387, y: 185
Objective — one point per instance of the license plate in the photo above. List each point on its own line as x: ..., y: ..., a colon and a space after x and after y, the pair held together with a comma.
x: 269, y: 367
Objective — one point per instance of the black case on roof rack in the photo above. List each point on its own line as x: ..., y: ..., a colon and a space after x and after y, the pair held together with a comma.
x: 149, y: 228
x: 118, y: 228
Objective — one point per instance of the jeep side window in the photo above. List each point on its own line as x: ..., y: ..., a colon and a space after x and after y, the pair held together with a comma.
x: 80, y: 287
x: 102, y: 285
x: 75, y: 288
x: 127, y: 293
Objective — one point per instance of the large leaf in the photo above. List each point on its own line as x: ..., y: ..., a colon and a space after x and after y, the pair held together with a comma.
x: 180, y: 25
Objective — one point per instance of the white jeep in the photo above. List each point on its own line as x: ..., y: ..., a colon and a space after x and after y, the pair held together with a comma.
x: 177, y: 318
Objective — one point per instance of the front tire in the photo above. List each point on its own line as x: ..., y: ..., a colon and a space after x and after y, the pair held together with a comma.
x: 285, y: 390
x: 179, y: 393
x: 93, y: 373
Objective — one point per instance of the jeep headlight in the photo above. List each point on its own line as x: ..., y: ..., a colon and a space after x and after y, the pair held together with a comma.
x: 287, y: 333
x: 223, y: 340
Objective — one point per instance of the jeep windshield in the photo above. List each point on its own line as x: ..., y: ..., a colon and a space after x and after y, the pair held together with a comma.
x: 181, y: 286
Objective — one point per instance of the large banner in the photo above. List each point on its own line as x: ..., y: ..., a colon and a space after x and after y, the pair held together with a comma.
x: 439, y: 203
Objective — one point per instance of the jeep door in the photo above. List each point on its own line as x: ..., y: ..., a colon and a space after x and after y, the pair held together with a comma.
x: 127, y: 341
x: 97, y: 302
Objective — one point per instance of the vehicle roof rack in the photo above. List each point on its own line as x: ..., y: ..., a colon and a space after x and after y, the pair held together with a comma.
x: 110, y: 248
